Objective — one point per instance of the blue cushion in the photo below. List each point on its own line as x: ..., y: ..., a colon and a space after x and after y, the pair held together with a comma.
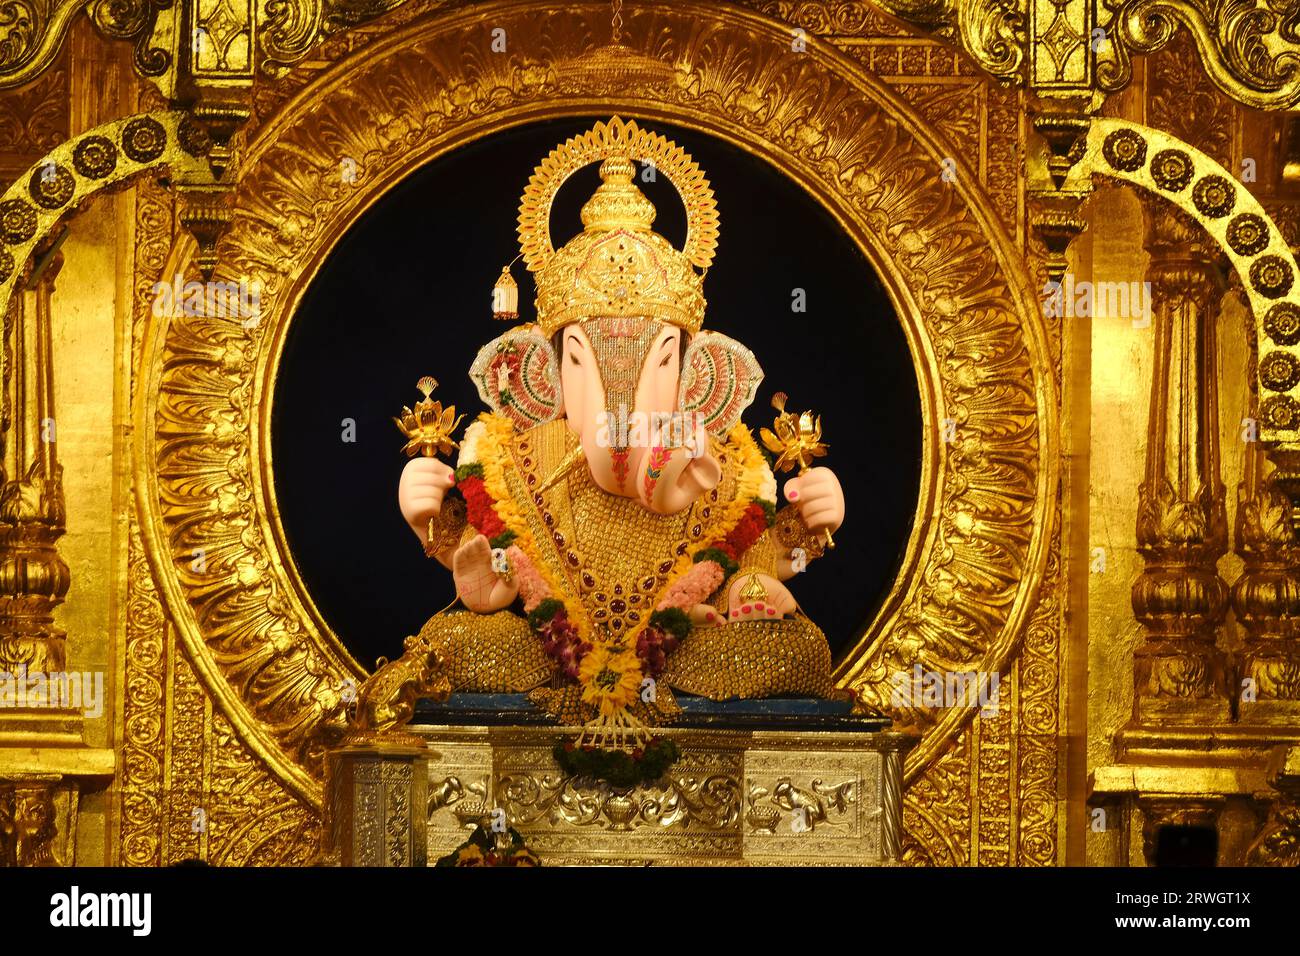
x: 773, y: 712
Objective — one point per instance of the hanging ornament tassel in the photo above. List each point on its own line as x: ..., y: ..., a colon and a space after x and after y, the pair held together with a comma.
x: 616, y: 731
x: 505, y: 297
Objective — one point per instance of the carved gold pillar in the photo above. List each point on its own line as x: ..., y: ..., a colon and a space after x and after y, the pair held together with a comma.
x: 376, y: 802
x: 44, y: 763
x: 1054, y: 211
x: 1266, y: 597
x: 214, y: 80
x: 1179, y: 597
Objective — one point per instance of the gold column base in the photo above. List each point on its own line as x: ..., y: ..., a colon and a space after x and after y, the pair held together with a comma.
x: 44, y: 768
x: 1180, y: 681
x: 1271, y: 666
x: 734, y: 798
x: 376, y: 787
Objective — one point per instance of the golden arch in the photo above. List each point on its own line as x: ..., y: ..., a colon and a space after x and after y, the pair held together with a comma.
x: 1183, y: 175
x: 980, y: 542
x: 103, y: 157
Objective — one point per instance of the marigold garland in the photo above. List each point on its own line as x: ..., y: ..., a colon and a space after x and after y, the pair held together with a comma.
x: 610, y: 669
x: 610, y: 675
x: 493, y: 450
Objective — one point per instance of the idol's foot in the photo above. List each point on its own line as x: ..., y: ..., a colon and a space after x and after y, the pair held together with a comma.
x: 783, y: 658
x: 488, y: 653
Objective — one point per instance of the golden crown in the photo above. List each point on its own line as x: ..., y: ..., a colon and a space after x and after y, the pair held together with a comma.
x: 618, y: 266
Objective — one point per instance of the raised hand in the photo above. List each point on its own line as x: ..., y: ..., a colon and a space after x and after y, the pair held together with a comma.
x: 820, y: 499
x: 420, y: 492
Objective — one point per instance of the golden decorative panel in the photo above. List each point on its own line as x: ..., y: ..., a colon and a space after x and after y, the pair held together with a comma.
x: 966, y: 598
x: 751, y: 797
x: 1210, y: 195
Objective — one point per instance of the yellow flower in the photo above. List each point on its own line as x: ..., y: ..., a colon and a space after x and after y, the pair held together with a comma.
x: 611, y: 678
x: 470, y: 856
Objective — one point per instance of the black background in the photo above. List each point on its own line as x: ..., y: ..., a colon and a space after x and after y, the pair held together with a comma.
x: 407, y: 293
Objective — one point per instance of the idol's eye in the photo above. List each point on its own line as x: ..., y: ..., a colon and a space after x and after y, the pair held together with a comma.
x: 669, y: 347
x: 573, y: 359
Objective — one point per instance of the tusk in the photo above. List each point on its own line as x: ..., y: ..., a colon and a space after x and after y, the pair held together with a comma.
x: 563, y: 468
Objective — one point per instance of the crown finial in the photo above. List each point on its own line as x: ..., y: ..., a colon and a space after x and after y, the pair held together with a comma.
x: 618, y: 265
x: 617, y: 203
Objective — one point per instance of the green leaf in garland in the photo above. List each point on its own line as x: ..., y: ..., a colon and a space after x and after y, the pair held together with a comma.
x: 470, y: 470
x: 544, y: 611
x: 616, y: 767
x: 503, y: 540
x: 672, y: 620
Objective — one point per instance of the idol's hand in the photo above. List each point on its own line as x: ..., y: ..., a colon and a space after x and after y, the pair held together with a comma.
x: 777, y: 604
x: 420, y: 492
x: 820, y: 499
x: 478, y: 585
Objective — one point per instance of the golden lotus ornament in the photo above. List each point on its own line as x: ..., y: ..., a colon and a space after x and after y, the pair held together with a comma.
x: 428, y: 426
x: 796, y: 440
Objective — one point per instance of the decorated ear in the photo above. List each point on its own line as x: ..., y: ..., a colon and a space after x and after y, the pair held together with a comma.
x: 517, y: 375
x: 719, y: 379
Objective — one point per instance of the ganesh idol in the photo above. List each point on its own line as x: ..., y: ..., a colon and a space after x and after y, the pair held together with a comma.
x: 616, y: 534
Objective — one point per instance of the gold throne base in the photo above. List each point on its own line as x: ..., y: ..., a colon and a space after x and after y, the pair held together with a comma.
x: 734, y: 798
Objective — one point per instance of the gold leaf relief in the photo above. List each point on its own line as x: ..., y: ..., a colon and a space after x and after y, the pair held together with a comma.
x: 953, y: 109
x: 933, y: 803
x: 254, y: 820
x: 1248, y: 49
x: 34, y: 118
x: 853, y: 18
x: 140, y: 783
x: 1037, y: 715
x: 1182, y: 101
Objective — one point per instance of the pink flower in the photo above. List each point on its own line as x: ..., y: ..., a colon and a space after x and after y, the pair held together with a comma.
x: 532, y: 587
x: 693, y: 587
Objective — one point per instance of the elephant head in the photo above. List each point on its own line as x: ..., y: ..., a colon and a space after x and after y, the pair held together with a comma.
x: 641, y: 395
x: 617, y: 347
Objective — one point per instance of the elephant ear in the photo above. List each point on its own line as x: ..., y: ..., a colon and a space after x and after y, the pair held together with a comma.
x: 719, y: 379
x: 517, y: 376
